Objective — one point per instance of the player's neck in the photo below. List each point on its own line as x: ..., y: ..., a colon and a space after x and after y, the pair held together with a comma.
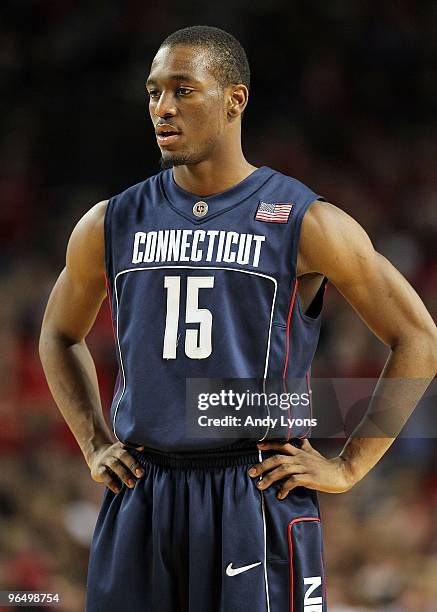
x: 213, y: 175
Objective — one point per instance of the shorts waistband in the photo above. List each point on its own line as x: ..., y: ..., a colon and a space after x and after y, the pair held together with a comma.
x: 188, y: 461
x: 202, y: 460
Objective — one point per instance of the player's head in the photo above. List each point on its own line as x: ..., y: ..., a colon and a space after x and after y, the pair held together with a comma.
x: 198, y: 88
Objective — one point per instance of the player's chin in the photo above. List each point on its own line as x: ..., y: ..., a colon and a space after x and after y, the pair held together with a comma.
x: 169, y: 159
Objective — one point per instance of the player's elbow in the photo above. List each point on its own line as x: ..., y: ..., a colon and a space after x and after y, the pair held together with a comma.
x: 420, y: 346
x: 49, y: 342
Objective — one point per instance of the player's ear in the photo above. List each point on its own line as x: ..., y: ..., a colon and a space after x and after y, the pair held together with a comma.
x: 237, y: 97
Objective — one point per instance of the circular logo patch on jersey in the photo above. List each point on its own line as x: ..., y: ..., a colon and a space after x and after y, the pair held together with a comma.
x: 200, y: 208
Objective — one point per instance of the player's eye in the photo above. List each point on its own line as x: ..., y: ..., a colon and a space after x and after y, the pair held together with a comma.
x: 183, y: 91
x: 153, y: 94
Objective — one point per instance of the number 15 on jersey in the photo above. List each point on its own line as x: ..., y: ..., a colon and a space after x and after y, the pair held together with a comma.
x: 198, y: 342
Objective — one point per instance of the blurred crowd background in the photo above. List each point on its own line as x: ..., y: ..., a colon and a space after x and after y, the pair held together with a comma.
x: 344, y: 97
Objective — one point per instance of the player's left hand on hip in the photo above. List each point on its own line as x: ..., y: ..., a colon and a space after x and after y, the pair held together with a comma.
x: 300, y: 467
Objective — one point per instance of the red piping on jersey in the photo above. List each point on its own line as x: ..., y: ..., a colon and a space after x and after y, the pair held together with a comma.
x: 290, y: 547
x: 287, y: 339
x: 287, y: 342
x: 289, y: 412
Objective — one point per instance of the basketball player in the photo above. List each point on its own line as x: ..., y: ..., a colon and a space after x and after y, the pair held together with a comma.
x: 214, y: 268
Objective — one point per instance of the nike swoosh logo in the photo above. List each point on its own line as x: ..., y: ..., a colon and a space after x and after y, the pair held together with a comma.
x: 230, y: 571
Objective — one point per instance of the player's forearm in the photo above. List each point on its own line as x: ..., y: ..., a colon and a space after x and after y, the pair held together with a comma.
x: 408, y: 371
x: 72, y: 378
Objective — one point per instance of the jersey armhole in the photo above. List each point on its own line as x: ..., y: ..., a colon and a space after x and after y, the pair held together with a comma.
x: 314, y: 310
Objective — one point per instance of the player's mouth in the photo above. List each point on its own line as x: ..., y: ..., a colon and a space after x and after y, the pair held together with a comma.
x: 166, y: 134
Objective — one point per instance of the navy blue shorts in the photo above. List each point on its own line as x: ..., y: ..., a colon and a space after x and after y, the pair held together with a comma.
x: 196, y: 535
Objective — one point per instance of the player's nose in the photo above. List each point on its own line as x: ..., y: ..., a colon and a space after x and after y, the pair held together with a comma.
x: 165, y: 106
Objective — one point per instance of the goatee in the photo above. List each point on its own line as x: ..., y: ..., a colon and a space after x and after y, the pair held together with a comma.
x: 173, y: 160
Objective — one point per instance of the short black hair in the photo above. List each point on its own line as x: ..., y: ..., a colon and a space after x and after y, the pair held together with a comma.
x: 227, y: 60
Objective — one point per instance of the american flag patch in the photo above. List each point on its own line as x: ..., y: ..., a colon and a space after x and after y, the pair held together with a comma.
x: 273, y: 212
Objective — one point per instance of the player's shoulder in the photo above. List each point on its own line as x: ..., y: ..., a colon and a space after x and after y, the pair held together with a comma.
x: 323, y: 223
x: 85, y: 248
x: 329, y: 238
x: 325, y: 218
x: 90, y: 226
x: 319, y: 212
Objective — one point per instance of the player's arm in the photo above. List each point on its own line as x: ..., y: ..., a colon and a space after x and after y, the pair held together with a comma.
x: 334, y: 244
x: 71, y: 311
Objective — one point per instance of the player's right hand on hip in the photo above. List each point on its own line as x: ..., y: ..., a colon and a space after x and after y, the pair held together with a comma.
x: 112, y: 465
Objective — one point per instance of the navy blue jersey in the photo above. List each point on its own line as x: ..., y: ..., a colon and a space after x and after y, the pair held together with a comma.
x: 202, y: 287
